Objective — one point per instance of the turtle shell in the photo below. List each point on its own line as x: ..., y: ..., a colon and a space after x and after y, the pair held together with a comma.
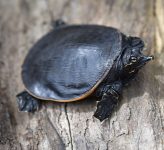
x: 69, y: 63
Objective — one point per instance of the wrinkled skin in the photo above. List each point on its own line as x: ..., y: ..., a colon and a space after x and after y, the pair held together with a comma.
x: 126, y: 68
x: 109, y: 91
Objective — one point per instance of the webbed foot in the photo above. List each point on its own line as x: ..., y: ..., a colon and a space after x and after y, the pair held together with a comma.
x: 109, y: 101
x: 27, y: 103
x: 104, y: 109
x: 58, y: 23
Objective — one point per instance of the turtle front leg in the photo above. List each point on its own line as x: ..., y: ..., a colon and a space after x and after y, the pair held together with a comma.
x: 109, y: 101
x: 27, y: 103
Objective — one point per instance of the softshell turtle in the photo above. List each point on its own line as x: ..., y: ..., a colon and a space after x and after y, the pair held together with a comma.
x: 73, y: 62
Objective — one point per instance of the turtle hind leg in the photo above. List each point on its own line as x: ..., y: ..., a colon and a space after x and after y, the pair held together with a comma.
x: 58, y: 23
x: 27, y: 103
x: 109, y: 101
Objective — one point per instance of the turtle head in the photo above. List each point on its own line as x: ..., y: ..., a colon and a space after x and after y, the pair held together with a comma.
x: 133, y: 59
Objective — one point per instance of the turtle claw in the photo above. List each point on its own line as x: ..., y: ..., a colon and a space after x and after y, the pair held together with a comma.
x: 27, y: 103
x: 104, y: 110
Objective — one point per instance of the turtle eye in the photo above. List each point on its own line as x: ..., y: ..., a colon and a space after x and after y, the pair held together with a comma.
x: 133, y: 59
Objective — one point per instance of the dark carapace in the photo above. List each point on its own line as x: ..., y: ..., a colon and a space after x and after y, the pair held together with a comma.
x: 73, y: 62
